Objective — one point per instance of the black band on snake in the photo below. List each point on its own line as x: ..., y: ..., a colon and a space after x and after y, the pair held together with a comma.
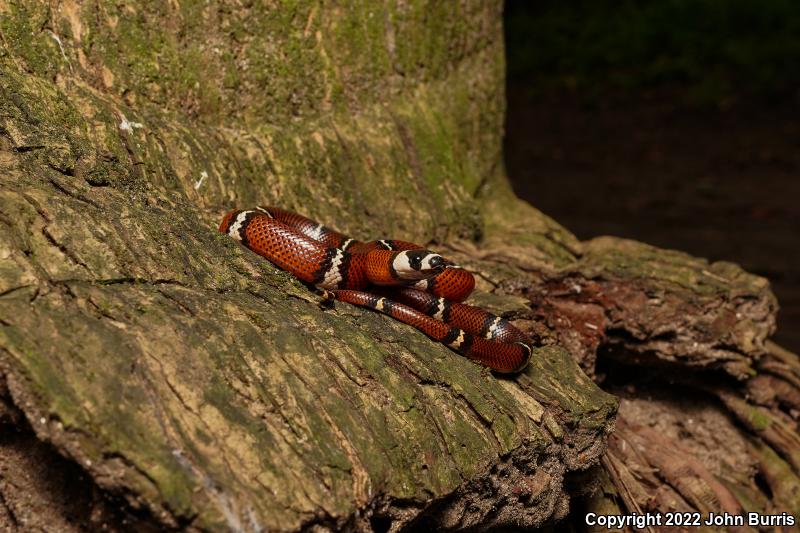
x: 401, y: 279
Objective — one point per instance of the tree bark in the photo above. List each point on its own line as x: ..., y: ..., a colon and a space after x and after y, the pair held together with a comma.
x: 191, y: 380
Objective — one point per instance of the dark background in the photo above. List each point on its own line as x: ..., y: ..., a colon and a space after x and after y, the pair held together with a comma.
x: 670, y: 122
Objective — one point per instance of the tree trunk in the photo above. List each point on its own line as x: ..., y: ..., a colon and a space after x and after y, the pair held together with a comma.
x: 188, y: 383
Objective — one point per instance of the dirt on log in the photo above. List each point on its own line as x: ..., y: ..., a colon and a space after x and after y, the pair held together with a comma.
x: 179, y: 381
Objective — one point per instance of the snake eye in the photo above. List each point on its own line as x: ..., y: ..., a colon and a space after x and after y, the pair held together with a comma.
x: 437, y: 261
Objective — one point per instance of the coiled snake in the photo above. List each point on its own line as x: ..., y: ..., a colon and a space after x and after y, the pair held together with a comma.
x: 401, y: 279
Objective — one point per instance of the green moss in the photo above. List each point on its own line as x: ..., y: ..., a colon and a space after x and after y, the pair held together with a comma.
x: 28, y: 44
x: 212, y: 380
x: 759, y: 421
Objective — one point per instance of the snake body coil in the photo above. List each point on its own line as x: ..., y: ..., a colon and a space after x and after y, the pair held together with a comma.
x: 401, y: 279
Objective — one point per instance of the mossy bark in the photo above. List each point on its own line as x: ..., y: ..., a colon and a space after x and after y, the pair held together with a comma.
x: 188, y: 374
x: 194, y: 379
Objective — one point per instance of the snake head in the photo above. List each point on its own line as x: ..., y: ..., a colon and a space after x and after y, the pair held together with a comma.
x: 418, y: 264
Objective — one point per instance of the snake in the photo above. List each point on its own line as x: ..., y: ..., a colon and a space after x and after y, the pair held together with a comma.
x: 401, y: 279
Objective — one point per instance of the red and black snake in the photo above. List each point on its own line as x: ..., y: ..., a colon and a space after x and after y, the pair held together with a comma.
x: 401, y: 279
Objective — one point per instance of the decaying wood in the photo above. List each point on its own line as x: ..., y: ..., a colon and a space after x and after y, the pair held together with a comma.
x: 709, y: 406
x: 196, y: 387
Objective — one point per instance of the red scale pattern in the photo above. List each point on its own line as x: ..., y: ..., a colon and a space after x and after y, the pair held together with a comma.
x: 433, y: 328
x: 284, y: 247
x: 467, y: 317
x: 455, y: 284
x: 498, y: 356
x: 307, y: 227
x: 378, y: 271
x: 296, y: 244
